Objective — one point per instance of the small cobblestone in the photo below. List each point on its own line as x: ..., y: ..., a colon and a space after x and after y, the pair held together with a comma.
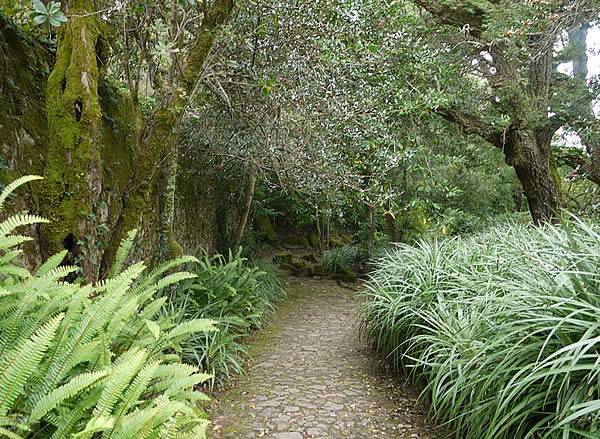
x: 310, y: 377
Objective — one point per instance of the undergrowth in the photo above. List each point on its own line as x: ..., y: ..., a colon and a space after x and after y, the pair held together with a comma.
x: 90, y: 361
x: 236, y: 295
x: 503, y: 327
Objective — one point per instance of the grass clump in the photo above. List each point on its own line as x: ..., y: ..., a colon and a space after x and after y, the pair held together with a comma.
x: 237, y: 296
x: 503, y: 328
x: 342, y: 259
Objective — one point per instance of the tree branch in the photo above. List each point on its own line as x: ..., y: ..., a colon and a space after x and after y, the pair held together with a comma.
x: 467, y: 14
x: 471, y: 124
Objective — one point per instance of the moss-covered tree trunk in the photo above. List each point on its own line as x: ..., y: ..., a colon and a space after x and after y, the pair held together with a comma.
x: 153, y: 184
x: 73, y: 173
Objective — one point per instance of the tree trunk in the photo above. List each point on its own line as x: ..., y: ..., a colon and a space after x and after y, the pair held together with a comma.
x: 370, y: 229
x: 390, y: 224
x: 318, y: 224
x: 153, y: 185
x: 247, y: 206
x: 529, y: 153
x: 73, y: 173
x: 163, y: 137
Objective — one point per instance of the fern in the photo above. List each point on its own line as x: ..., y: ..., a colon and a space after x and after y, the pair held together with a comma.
x: 76, y: 385
x: 83, y: 361
x: 10, y: 188
x: 52, y: 263
x: 123, y: 253
x: 15, y: 221
x: 16, y: 367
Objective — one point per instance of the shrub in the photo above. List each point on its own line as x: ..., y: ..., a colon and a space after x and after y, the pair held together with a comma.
x: 239, y: 297
x: 89, y: 360
x: 340, y: 259
x: 503, y: 328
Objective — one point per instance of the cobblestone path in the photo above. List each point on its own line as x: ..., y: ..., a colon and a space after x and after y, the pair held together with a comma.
x: 310, y: 377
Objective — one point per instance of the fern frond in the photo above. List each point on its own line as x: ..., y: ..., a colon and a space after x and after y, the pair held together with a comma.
x: 12, y: 222
x: 71, y: 422
x: 14, y: 271
x: 125, y: 369
x: 9, y: 256
x: 10, y: 188
x: 123, y: 281
x: 199, y: 431
x: 10, y: 241
x: 52, y: 262
x: 137, y: 424
x: 152, y: 308
x: 17, y: 367
x: 176, y: 370
x: 95, y: 425
x: 134, y: 391
x: 173, y: 279
x: 123, y: 253
x: 4, y: 433
x: 191, y: 327
x: 172, y: 387
x: 76, y: 385
x: 151, y: 277
x: 191, y: 395
x: 59, y: 272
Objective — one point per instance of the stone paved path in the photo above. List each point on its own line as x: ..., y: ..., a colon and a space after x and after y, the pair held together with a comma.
x: 310, y: 377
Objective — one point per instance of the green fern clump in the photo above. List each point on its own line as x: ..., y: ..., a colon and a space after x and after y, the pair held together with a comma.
x: 83, y: 361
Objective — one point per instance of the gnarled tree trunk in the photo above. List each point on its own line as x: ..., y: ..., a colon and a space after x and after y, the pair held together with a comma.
x: 530, y: 155
x: 73, y: 174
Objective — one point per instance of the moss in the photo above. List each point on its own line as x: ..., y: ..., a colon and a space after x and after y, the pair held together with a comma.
x: 265, y: 228
x: 296, y: 241
x: 73, y: 180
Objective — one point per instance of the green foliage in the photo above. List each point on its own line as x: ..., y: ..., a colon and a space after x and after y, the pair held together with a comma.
x: 502, y: 328
x: 341, y: 259
x: 49, y: 14
x: 91, y: 360
x: 239, y: 297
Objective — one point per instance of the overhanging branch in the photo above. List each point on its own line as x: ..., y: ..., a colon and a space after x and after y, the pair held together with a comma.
x: 471, y: 124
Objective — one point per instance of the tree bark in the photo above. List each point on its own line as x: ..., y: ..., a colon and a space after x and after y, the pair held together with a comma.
x: 73, y: 173
x: 153, y: 184
x: 390, y: 225
x: 530, y: 155
x: 370, y: 229
x: 246, y: 208
x: 161, y: 138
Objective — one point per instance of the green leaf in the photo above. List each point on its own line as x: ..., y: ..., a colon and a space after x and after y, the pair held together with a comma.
x: 39, y: 19
x: 154, y: 328
x: 40, y: 8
